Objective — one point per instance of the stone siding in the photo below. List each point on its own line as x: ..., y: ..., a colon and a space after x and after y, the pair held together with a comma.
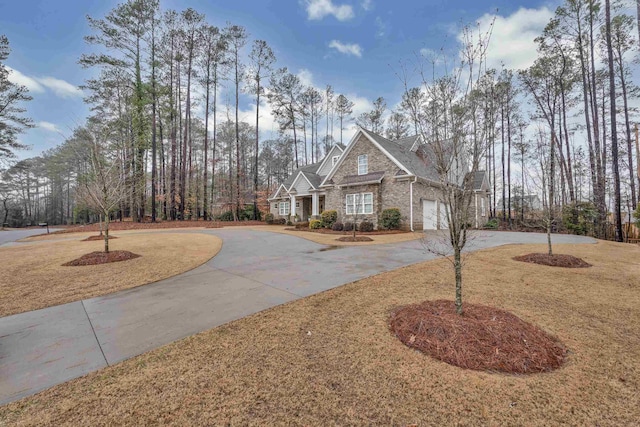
x: 390, y: 193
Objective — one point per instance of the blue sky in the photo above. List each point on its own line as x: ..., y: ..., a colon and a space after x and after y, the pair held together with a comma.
x: 354, y: 45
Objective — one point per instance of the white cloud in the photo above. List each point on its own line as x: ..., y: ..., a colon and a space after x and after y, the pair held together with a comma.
x: 306, y: 77
x: 382, y: 27
x: 512, y: 39
x: 318, y: 9
x: 18, y: 78
x: 60, y: 87
x: 51, y: 127
x: 366, y: 4
x: 346, y: 48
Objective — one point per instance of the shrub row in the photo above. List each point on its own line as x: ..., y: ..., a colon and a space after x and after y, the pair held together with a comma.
x: 389, y: 220
x: 315, y: 224
x: 328, y: 218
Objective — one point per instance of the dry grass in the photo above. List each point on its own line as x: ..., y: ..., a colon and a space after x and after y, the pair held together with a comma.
x: 33, y: 277
x: 333, y: 239
x: 330, y: 359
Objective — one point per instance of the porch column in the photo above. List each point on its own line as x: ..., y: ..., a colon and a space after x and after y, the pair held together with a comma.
x: 293, y: 207
x: 315, y: 204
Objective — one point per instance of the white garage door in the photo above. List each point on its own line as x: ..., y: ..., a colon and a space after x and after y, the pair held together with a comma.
x: 429, y: 215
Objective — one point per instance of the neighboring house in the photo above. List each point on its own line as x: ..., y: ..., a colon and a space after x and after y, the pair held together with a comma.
x: 368, y: 176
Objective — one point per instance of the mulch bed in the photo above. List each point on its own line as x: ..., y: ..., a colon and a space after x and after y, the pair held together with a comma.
x: 355, y: 239
x: 330, y: 231
x: 94, y: 238
x: 556, y: 260
x: 483, y: 338
x: 95, y: 258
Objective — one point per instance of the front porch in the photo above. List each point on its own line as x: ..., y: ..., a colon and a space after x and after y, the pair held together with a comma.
x: 306, y: 206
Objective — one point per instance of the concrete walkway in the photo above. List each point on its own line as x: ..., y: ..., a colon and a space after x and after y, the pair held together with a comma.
x: 255, y: 270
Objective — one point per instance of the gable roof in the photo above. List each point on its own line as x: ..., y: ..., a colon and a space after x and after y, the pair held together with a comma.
x: 409, y: 142
x: 336, y: 147
x: 408, y: 159
x: 277, y: 192
x: 374, y: 140
x: 478, y: 179
x: 314, y: 179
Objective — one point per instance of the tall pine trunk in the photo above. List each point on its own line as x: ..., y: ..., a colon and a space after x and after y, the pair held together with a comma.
x: 614, y: 134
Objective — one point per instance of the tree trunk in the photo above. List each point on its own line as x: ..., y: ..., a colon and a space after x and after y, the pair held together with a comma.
x: 509, y: 164
x: 185, y: 138
x: 614, y: 135
x: 206, y: 146
x: 457, y: 265
x: 257, y: 148
x: 154, y: 171
x: 504, y: 193
x: 106, y: 232
x: 627, y: 123
x: 599, y: 190
x: 237, y: 210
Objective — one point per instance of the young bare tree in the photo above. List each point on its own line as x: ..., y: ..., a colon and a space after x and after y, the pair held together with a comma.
x: 104, y: 186
x: 457, y: 139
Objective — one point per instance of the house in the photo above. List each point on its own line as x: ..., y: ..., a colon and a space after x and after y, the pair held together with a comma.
x: 370, y: 175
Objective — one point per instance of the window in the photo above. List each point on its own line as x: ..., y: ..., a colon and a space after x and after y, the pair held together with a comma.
x: 297, y: 204
x: 275, y: 206
x: 359, y: 203
x: 363, y: 164
x: 334, y: 160
x: 483, y: 210
x: 284, y: 209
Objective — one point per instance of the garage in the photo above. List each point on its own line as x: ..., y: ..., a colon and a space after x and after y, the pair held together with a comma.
x: 444, y: 223
x: 429, y: 215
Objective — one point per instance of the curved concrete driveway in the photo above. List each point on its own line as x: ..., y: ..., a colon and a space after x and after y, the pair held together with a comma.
x: 255, y: 270
x: 10, y: 236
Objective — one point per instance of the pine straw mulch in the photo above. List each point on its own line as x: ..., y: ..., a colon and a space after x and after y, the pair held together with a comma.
x: 483, y: 338
x: 335, y: 232
x: 98, y: 257
x: 355, y: 239
x: 555, y: 260
x: 94, y: 238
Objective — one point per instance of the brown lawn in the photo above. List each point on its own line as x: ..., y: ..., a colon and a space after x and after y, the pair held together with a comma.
x: 32, y: 275
x: 330, y: 359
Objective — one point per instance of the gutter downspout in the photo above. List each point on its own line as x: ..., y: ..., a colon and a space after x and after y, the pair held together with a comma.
x: 476, y: 197
x: 411, y: 201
